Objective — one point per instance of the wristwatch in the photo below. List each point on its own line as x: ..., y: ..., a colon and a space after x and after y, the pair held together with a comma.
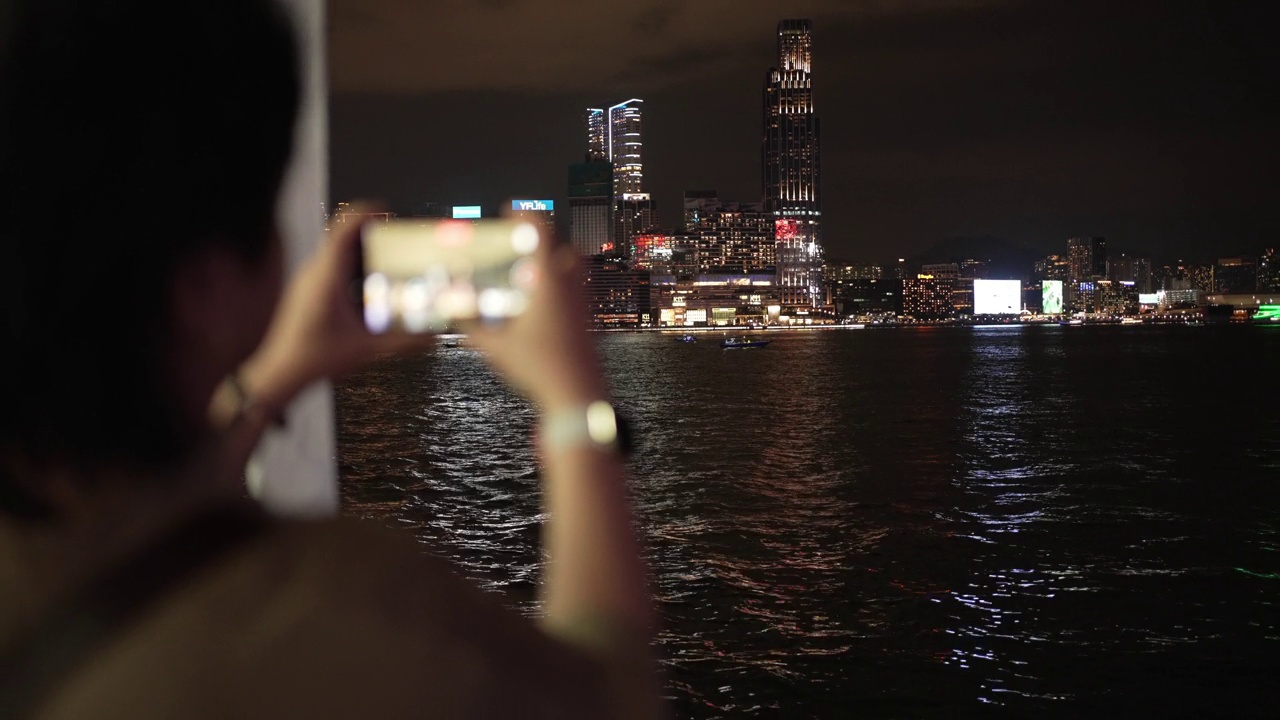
x: 594, y: 425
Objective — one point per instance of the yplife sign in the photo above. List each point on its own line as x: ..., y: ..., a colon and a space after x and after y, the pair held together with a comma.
x: 533, y: 205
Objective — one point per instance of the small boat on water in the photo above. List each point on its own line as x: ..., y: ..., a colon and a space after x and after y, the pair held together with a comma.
x: 686, y: 339
x: 733, y: 343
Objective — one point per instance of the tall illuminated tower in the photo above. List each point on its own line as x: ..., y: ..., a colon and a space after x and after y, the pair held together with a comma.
x: 792, y: 187
x: 597, y: 135
x: 614, y: 136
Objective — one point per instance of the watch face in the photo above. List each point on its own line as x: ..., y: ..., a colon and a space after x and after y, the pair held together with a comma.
x: 602, y: 423
x: 596, y: 425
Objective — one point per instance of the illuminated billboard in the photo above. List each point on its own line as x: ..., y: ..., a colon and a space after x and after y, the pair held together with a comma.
x: 786, y: 229
x: 1051, y: 297
x: 997, y: 297
x: 1267, y: 313
x: 533, y: 205
x: 1148, y: 298
x: 466, y: 212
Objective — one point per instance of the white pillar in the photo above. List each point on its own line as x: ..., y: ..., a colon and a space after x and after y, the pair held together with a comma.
x: 294, y: 471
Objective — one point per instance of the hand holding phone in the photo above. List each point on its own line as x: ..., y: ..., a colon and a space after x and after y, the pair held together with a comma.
x: 428, y: 275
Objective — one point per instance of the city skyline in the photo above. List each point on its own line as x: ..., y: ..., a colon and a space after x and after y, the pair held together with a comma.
x: 1143, y: 124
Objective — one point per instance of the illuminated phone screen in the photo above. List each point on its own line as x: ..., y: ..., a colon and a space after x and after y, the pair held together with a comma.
x: 424, y: 276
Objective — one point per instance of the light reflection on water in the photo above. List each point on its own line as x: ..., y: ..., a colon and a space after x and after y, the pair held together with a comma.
x: 931, y: 522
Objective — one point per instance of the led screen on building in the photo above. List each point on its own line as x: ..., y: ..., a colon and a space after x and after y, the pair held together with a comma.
x: 533, y: 205
x: 1148, y: 298
x: 466, y: 212
x: 1051, y: 297
x: 997, y: 297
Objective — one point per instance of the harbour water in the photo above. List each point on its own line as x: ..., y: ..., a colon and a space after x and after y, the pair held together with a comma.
x: 916, y: 522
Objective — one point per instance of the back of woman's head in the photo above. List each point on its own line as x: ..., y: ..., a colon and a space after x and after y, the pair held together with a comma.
x: 133, y: 133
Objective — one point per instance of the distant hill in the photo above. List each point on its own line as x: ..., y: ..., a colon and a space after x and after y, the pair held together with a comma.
x: 1004, y: 258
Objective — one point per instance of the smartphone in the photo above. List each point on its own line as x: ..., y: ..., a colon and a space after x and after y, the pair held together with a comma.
x: 426, y: 275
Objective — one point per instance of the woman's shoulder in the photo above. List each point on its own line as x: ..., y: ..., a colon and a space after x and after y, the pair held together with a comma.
x: 337, y: 617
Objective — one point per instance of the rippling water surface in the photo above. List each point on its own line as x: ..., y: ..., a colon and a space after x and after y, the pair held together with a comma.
x: 955, y: 522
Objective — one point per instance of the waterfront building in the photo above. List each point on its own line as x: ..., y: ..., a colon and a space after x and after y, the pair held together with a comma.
x: 1087, y: 263
x: 835, y: 271
x: 1235, y: 275
x: 634, y: 214
x: 731, y: 236
x: 684, y: 256
x: 1269, y: 272
x: 591, y: 206
x: 715, y: 299
x: 1201, y: 277
x: 698, y: 208
x: 925, y: 297
x: 865, y: 297
x: 962, y: 294
x: 791, y: 167
x: 1241, y: 306
x: 974, y: 269
x: 947, y: 278
x: 1053, y: 267
x: 1116, y: 298
x: 1178, y: 299
x: 1128, y: 268
x: 840, y: 276
x: 1087, y: 257
x: 897, y: 271
x: 617, y: 295
x: 652, y: 251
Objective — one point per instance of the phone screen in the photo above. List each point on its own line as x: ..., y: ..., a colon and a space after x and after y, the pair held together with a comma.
x: 425, y: 275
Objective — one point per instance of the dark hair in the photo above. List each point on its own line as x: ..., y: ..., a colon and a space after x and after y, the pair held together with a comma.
x: 132, y: 133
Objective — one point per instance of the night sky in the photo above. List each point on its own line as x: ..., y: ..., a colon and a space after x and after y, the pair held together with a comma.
x: 1150, y: 124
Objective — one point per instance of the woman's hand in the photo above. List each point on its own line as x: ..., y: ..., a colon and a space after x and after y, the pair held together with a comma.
x: 317, y: 331
x: 546, y: 353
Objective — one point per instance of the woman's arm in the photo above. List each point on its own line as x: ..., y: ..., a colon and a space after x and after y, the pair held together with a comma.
x: 595, y: 589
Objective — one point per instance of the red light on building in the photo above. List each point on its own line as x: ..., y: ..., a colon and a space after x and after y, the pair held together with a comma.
x: 646, y: 243
x: 606, y: 248
x: 786, y: 229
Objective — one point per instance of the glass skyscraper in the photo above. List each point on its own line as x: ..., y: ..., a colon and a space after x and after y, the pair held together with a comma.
x: 613, y: 134
x: 792, y: 187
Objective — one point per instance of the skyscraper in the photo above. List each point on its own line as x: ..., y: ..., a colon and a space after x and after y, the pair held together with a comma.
x: 613, y: 136
x: 597, y: 135
x: 790, y: 162
x: 591, y: 206
x: 1088, y: 258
